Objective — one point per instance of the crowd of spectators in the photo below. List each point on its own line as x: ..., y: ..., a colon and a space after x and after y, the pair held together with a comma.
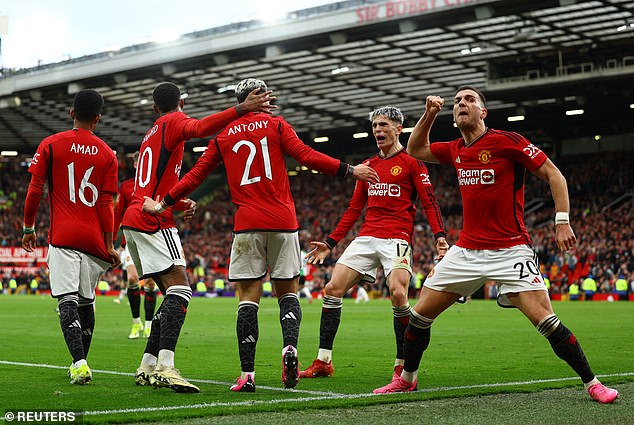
x: 600, y: 188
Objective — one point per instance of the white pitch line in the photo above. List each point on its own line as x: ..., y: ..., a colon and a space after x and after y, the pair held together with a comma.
x: 333, y: 396
x: 204, y: 381
x: 321, y: 395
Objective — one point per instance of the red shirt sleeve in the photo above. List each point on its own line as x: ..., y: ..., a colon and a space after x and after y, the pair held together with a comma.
x: 210, y: 124
x: 119, y: 210
x: 209, y: 160
x: 33, y: 196
x: 352, y: 213
x: 39, y: 171
x: 306, y: 155
x: 106, y: 212
x: 428, y: 198
x: 442, y: 151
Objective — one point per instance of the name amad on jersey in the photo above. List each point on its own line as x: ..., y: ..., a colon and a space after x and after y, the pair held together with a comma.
x: 84, y: 149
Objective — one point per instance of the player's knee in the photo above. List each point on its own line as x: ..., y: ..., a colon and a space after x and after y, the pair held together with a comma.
x: 335, y: 290
x: 398, y: 294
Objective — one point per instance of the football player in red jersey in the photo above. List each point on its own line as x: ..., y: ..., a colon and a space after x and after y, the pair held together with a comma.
x: 132, y: 286
x: 384, y: 239
x: 81, y: 172
x: 253, y: 149
x: 153, y: 241
x: 493, y: 244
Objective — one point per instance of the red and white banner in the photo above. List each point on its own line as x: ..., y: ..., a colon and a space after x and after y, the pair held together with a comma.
x: 15, y: 255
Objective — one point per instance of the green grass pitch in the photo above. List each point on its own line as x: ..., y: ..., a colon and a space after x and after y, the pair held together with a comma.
x: 477, y: 349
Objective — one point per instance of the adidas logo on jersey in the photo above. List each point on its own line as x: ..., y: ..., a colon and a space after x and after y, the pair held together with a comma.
x: 458, y: 160
x: 75, y: 324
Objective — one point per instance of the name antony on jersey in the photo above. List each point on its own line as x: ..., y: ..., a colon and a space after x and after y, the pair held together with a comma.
x: 239, y: 128
x: 384, y: 189
x: 470, y: 177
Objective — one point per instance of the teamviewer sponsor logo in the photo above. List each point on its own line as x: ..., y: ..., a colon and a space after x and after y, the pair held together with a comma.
x: 384, y: 189
x: 487, y: 176
x: 471, y: 177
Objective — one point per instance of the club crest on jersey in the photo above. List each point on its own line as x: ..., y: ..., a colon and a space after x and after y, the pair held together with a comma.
x: 396, y: 170
x: 484, y: 156
x: 431, y: 273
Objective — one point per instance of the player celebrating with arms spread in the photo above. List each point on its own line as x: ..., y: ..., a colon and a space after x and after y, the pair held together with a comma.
x: 494, y: 243
x: 265, y: 225
x: 384, y: 239
x: 153, y: 241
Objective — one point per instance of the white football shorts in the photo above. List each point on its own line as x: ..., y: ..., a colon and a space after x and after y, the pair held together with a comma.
x: 463, y: 271
x: 253, y: 253
x: 72, y: 271
x: 126, y: 259
x: 155, y: 253
x: 366, y: 253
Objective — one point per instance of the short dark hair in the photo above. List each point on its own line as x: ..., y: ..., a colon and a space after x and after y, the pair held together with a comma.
x: 246, y: 86
x: 166, y: 96
x: 87, y: 105
x: 480, y: 94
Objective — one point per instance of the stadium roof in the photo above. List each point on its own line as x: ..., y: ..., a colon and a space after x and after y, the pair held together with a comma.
x: 332, y: 64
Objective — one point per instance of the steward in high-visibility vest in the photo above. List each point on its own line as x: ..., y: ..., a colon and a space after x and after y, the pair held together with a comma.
x: 34, y: 286
x: 103, y: 287
x: 621, y: 288
x: 573, y: 292
x: 589, y: 287
x: 13, y: 285
x: 219, y: 286
x: 201, y: 287
x: 267, y: 288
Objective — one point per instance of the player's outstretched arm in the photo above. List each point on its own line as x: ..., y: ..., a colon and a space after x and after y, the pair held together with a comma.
x: 319, y: 253
x: 365, y: 173
x: 418, y: 144
x: 564, y: 235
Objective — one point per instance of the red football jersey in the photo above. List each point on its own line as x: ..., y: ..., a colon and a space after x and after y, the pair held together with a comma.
x: 160, y: 160
x: 391, y: 203
x: 252, y: 149
x: 124, y: 198
x: 79, y: 167
x: 491, y: 173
